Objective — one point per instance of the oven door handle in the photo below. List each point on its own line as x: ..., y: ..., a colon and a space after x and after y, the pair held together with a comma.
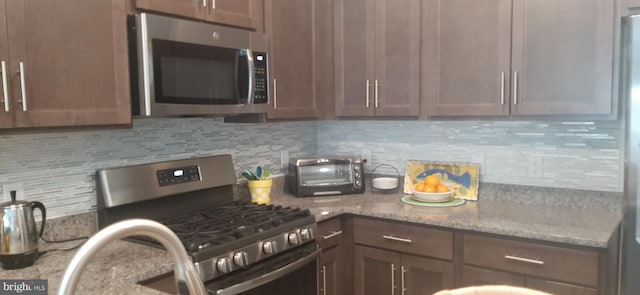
x: 269, y: 277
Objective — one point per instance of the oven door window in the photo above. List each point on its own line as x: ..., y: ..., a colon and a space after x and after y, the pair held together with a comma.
x: 325, y: 175
x: 186, y: 73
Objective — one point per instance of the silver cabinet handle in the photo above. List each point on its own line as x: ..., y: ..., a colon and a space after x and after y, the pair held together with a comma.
x: 376, y: 93
x: 527, y: 260
x: 275, y: 94
x: 204, y: 3
x: 393, y: 279
x: 332, y: 234
x: 502, y: 88
x: 366, y: 102
x: 402, y: 271
x: 515, y: 87
x: 5, y: 90
x: 393, y: 238
x: 324, y: 280
x: 23, y: 88
x: 213, y: 4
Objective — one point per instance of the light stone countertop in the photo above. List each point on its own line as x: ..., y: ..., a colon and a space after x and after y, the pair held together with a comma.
x: 590, y: 227
x: 113, y: 270
x: 590, y: 223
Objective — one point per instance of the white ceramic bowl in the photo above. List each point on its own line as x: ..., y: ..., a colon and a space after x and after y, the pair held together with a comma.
x: 432, y: 197
x: 384, y: 183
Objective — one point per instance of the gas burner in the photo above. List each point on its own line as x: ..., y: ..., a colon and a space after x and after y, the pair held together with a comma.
x: 232, y: 221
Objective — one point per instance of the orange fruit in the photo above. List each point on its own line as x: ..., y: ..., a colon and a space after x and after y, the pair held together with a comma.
x: 443, y: 188
x: 420, y: 186
x: 432, y: 180
x: 430, y: 189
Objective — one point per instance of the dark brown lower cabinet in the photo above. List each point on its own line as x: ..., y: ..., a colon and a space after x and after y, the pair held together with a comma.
x: 474, y: 276
x: 386, y: 272
x: 332, y: 272
x: 333, y: 267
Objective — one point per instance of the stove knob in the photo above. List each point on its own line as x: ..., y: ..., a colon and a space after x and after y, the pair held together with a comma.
x: 305, y: 234
x: 224, y: 265
x: 269, y: 247
x: 241, y: 258
x: 293, y: 239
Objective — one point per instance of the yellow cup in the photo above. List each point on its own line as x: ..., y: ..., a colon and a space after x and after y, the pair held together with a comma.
x: 260, y: 191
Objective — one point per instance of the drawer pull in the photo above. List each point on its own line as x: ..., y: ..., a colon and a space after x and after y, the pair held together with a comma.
x: 516, y: 258
x: 332, y: 234
x: 397, y: 239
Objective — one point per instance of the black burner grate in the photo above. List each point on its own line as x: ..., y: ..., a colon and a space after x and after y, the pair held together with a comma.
x: 222, y: 224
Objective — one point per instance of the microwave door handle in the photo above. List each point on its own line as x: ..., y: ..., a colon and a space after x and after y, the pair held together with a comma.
x: 251, y: 73
x: 250, y: 68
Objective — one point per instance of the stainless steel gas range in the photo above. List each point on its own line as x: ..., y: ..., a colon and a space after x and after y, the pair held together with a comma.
x: 238, y: 247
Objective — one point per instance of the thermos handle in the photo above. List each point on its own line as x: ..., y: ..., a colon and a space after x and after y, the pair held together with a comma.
x: 38, y: 205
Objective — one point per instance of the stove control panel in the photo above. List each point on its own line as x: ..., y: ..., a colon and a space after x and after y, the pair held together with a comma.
x: 241, y: 257
x: 178, y: 175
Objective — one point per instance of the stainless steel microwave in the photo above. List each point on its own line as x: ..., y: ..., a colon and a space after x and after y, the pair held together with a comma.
x: 323, y: 176
x: 188, y: 68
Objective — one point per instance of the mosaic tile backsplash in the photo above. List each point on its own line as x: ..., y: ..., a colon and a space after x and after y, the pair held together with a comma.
x: 58, y: 169
x: 575, y: 155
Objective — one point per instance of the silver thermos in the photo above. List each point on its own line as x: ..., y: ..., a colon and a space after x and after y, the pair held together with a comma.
x: 18, y: 236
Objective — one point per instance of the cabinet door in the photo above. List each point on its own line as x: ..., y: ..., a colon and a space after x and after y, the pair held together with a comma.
x: 6, y: 115
x: 473, y: 276
x: 354, y: 49
x: 467, y: 57
x: 562, y: 56
x: 376, y: 272
x: 396, y: 89
x: 425, y: 276
x: 186, y: 8
x: 232, y: 12
x: 73, y: 75
x: 291, y: 24
x: 558, y: 288
x: 332, y: 271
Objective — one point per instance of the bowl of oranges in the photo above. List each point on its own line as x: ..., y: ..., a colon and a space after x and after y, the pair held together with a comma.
x: 431, y: 190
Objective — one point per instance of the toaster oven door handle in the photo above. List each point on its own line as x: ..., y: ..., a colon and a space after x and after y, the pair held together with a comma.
x: 269, y: 277
x: 308, y: 162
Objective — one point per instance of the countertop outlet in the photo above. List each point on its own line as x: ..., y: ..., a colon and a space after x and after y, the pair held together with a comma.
x: 535, y: 167
x: 366, y: 155
x: 284, y: 159
x: 479, y: 158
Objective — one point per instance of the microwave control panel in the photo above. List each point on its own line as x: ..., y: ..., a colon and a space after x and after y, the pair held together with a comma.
x: 178, y: 175
x: 261, y: 82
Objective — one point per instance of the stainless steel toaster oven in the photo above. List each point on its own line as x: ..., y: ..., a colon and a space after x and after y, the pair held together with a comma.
x: 321, y: 176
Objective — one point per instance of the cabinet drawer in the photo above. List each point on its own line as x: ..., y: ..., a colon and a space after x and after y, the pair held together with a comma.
x: 557, y: 263
x: 404, y: 238
x: 329, y: 233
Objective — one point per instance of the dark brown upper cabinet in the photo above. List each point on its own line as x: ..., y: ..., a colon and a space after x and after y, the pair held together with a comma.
x: 58, y: 72
x: 518, y: 57
x: 301, y: 57
x: 239, y: 13
x: 377, y: 58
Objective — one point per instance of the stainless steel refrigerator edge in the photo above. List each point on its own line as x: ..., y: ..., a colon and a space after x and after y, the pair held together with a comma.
x: 630, y: 96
